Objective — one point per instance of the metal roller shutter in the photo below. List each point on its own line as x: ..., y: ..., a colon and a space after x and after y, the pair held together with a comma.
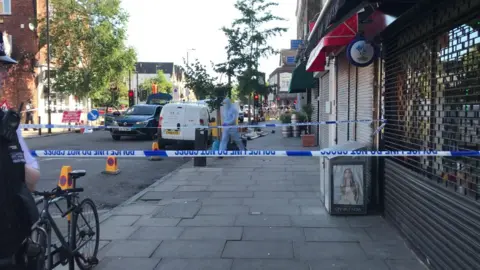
x: 342, y: 98
x: 364, y: 102
x: 324, y: 98
x: 352, y: 107
x: 432, y: 102
x: 315, y: 115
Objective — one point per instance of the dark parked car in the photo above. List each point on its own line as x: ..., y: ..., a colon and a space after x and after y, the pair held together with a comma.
x: 137, y: 121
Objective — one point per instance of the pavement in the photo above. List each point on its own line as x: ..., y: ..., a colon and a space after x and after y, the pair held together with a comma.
x: 244, y: 214
x: 30, y: 133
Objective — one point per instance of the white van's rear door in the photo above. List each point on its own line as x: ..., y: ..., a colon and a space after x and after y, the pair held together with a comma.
x: 173, y: 119
x: 195, y: 116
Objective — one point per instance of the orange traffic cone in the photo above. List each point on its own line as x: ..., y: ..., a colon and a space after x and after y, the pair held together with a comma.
x: 155, y: 148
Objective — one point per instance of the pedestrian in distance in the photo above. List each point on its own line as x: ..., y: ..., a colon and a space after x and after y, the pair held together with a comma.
x: 29, y: 113
x: 229, y: 116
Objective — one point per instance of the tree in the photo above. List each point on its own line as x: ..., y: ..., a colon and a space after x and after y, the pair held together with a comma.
x: 163, y: 84
x: 88, y: 51
x: 248, y: 42
x: 198, y: 80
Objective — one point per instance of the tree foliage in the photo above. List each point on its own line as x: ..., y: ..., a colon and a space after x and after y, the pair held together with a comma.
x: 248, y: 38
x: 88, y: 51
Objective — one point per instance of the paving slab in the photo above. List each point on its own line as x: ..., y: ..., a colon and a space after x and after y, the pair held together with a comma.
x: 222, y: 201
x: 119, y: 263
x: 132, y: 248
x: 273, y: 234
x: 179, y: 210
x: 157, y: 233
x: 195, y: 264
x: 258, y: 250
x: 120, y: 220
x: 208, y: 221
x: 328, y: 250
x: 232, y: 194
x: 223, y: 210
x: 268, y: 264
x: 336, y: 235
x: 190, y: 249
x: 116, y: 232
x: 262, y: 220
x: 348, y: 265
x: 161, y: 222
x: 212, y: 233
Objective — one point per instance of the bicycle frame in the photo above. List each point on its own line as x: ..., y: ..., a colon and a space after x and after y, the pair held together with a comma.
x: 47, y: 220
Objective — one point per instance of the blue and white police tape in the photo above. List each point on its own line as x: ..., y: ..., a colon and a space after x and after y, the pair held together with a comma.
x: 246, y: 153
x: 142, y: 125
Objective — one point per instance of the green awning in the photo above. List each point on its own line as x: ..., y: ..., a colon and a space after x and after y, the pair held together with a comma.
x: 301, y: 79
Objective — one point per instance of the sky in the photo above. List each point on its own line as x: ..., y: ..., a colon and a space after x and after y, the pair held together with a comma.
x: 163, y: 31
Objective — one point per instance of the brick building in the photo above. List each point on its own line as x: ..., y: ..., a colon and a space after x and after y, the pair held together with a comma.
x: 16, y: 21
x: 27, y: 79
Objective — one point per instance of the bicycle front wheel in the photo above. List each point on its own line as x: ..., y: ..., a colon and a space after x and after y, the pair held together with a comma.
x: 85, y: 236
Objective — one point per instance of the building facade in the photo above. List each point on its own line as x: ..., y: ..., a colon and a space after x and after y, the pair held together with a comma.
x: 173, y: 73
x: 27, y: 80
x: 426, y: 86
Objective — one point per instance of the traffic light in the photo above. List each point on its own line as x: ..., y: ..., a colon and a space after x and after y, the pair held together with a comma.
x: 256, y: 103
x: 131, y: 98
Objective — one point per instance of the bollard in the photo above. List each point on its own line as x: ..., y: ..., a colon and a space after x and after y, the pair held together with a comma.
x: 39, y: 129
x: 155, y: 148
x: 111, y: 166
x: 201, y: 142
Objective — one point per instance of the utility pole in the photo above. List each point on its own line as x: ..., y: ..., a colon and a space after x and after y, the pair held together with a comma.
x: 49, y: 112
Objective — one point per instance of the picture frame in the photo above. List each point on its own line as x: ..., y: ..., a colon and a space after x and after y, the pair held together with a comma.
x: 347, y: 188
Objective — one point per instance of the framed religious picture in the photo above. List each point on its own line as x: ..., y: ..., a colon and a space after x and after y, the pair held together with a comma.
x: 348, y: 192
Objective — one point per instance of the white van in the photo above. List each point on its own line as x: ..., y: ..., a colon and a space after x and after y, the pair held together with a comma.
x: 177, y: 122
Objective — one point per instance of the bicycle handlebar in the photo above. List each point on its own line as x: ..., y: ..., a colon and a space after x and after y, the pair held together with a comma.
x: 57, y: 192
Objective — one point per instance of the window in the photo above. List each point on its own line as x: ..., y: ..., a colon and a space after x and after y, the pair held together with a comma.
x: 5, y: 7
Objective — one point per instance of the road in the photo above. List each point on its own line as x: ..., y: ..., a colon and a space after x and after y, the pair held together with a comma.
x: 107, y: 191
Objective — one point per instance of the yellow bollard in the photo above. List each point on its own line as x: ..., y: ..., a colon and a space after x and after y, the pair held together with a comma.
x: 112, y: 166
x: 155, y: 148
x: 65, y: 182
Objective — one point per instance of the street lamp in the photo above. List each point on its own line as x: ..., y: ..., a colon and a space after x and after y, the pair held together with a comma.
x: 48, y: 69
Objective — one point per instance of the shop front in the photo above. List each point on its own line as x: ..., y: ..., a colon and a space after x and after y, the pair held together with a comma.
x: 426, y: 85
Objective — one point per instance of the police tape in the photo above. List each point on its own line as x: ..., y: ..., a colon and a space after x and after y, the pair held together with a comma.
x: 245, y: 153
x: 142, y: 125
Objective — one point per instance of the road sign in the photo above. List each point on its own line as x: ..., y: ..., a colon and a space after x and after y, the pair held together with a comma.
x: 71, y: 116
x: 295, y: 43
x: 4, y: 105
x: 290, y: 60
x: 93, y: 115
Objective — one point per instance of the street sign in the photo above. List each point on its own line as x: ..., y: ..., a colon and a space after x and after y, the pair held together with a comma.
x: 290, y: 60
x: 5, y: 106
x: 93, y: 115
x: 295, y: 43
x: 71, y: 116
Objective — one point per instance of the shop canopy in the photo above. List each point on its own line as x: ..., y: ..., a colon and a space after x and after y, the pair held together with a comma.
x: 301, y: 79
x: 341, y: 36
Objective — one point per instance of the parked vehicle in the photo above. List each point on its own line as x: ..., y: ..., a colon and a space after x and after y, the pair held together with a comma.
x: 178, y: 121
x: 138, y: 121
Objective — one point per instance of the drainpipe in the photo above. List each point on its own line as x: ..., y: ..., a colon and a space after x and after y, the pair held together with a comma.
x: 320, y: 17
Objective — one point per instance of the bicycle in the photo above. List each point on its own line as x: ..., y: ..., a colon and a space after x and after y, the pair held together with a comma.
x: 69, y: 251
